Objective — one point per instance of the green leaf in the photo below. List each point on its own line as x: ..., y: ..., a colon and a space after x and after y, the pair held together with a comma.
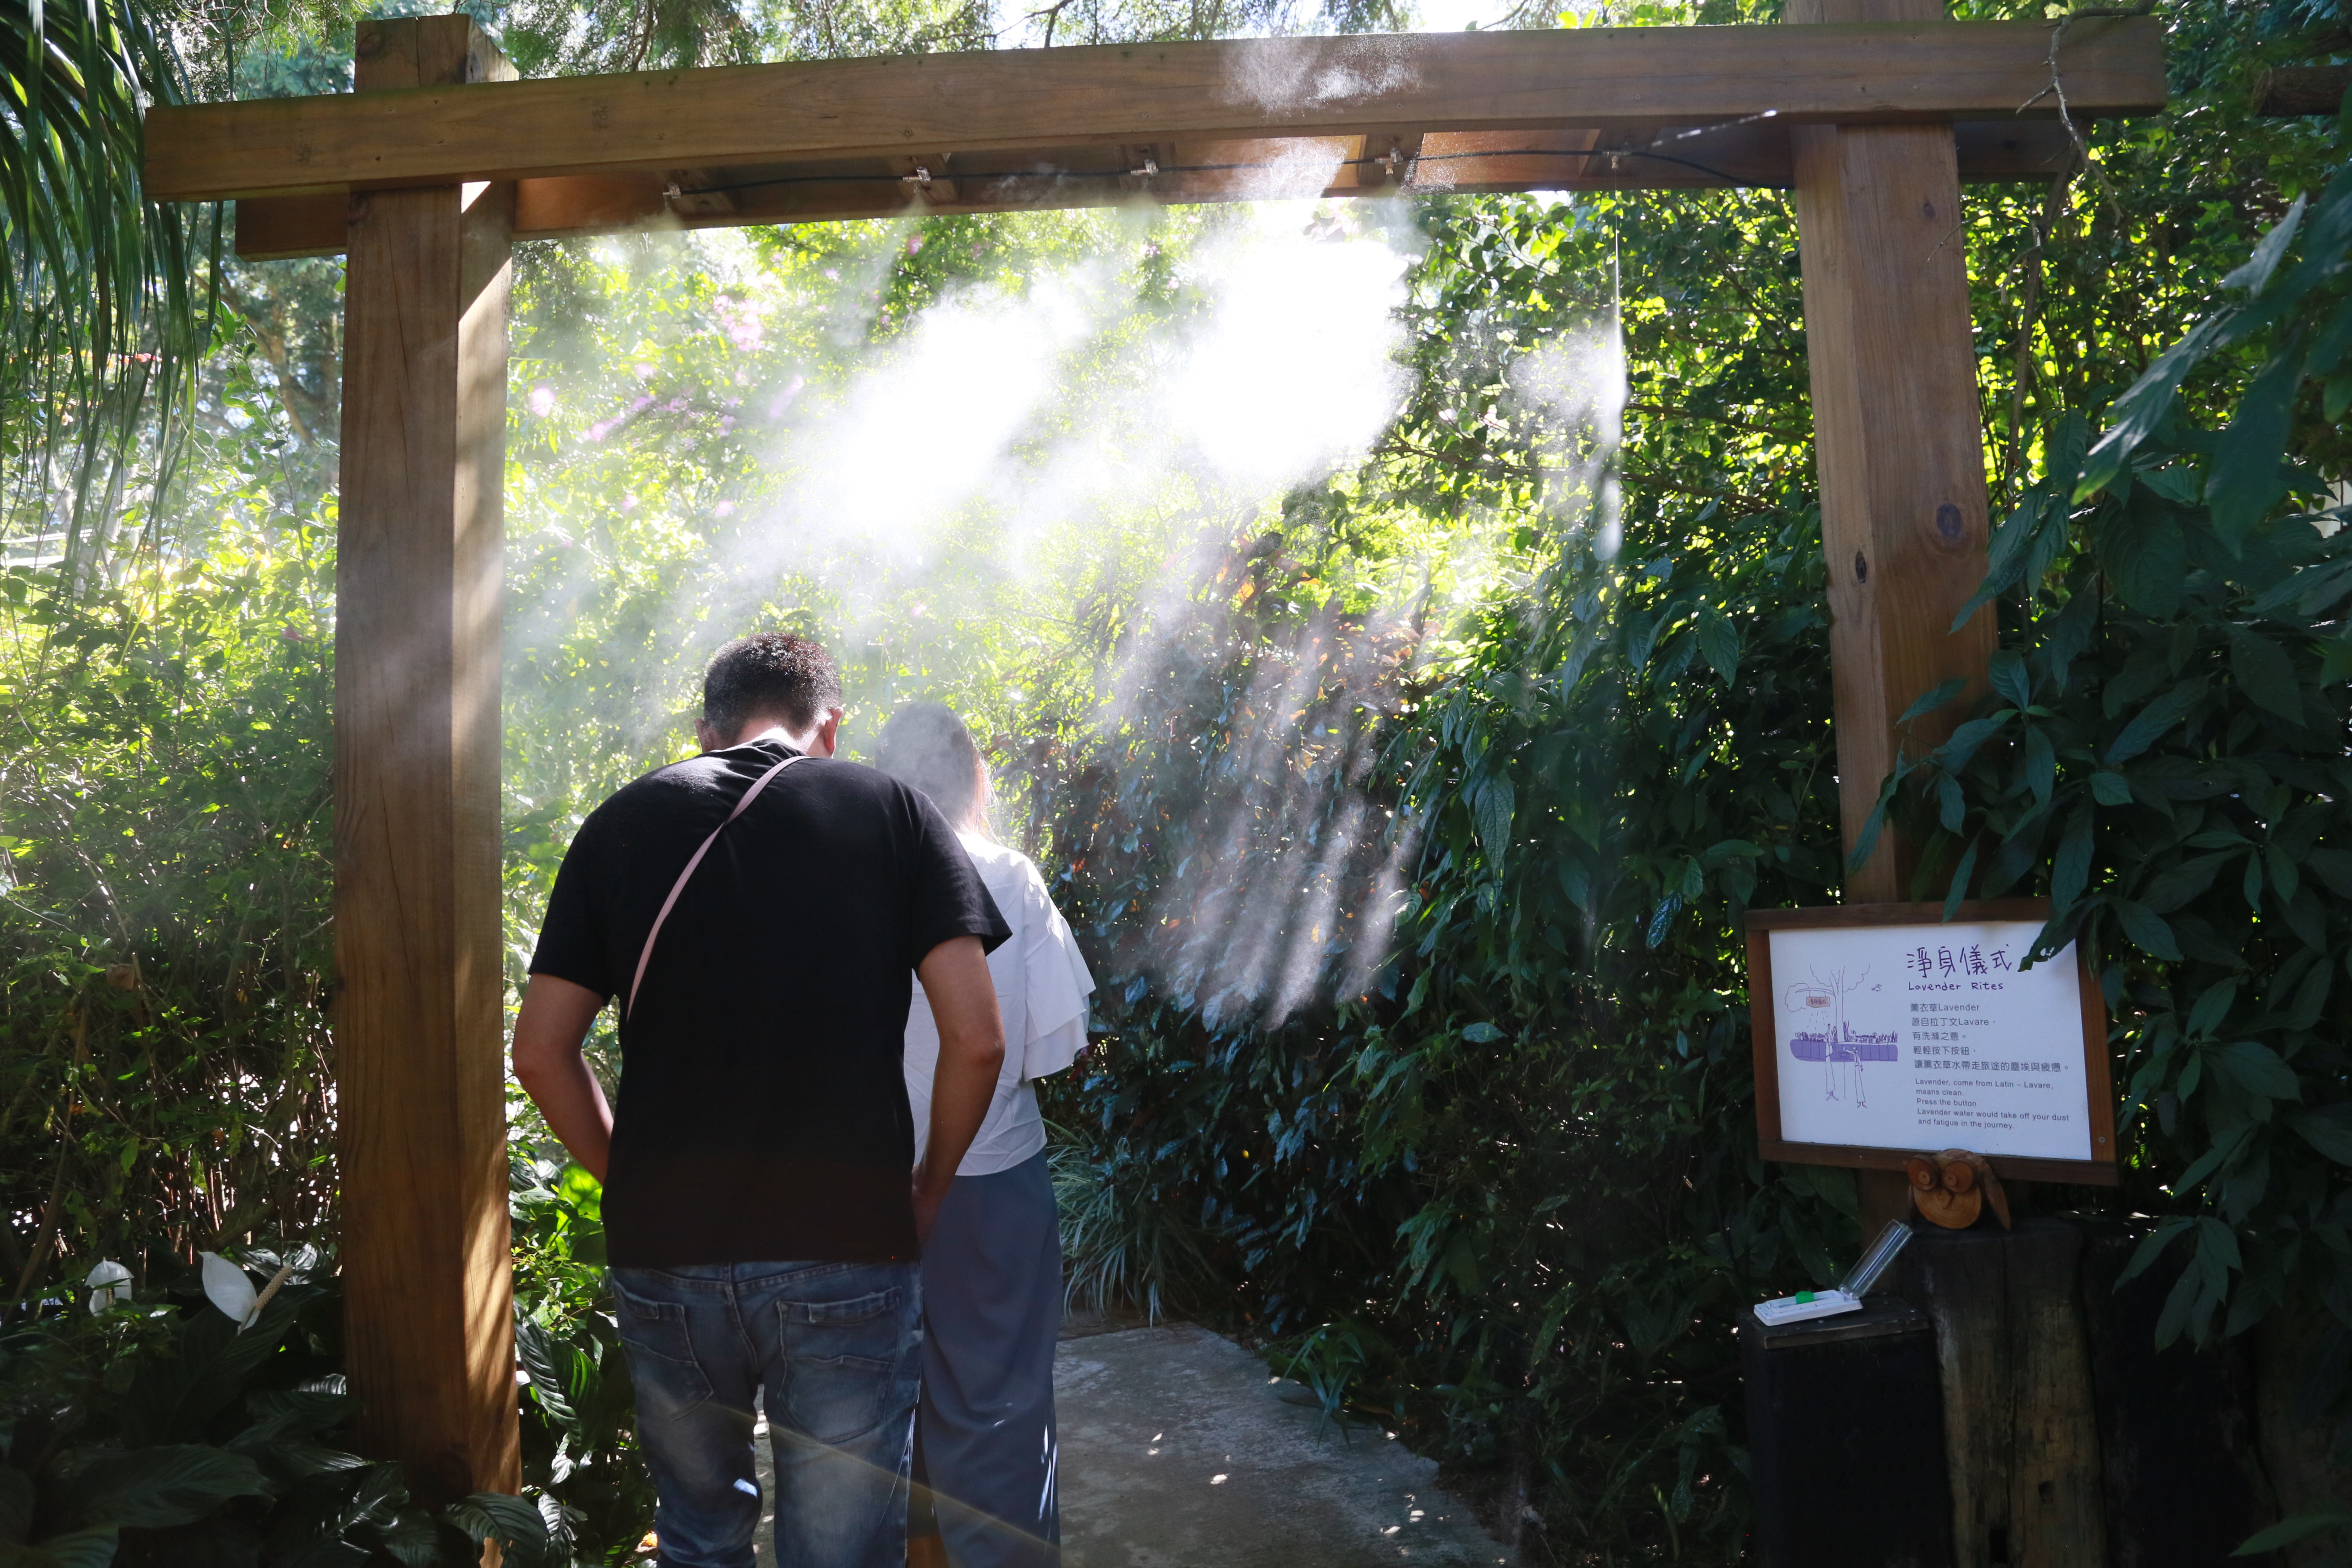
x: 2140, y: 546
x: 1718, y: 640
x: 2245, y: 481
x: 92, y: 1548
x: 2335, y: 657
x: 2253, y: 275
x: 1955, y: 753
x: 2010, y: 679
x: 2110, y: 789
x: 2327, y: 1129
x: 2151, y: 721
x: 2211, y: 1008
x: 151, y: 1489
x: 2265, y: 673
x: 1482, y: 1033
x: 1934, y: 699
x: 2205, y: 1164
x: 2070, y: 868
x: 1866, y: 843
x: 1493, y: 809
x: 511, y: 1521
x: 2335, y: 869
x: 2148, y: 929
x: 2013, y: 549
x: 2257, y: 1067
x: 1953, y: 802
x: 2333, y: 337
x: 2143, y: 406
x: 2151, y: 1246
x: 2041, y: 763
x: 2289, y: 1531
x: 1961, y: 875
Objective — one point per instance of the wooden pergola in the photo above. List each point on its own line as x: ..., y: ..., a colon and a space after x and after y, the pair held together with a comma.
x: 1874, y: 111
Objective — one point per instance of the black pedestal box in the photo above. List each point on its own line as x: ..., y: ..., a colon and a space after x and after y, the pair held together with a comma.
x: 1846, y: 1430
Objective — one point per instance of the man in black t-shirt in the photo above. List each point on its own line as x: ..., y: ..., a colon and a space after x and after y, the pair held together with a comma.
x: 757, y: 911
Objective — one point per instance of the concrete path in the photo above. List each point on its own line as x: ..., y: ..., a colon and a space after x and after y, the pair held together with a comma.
x: 1178, y: 1452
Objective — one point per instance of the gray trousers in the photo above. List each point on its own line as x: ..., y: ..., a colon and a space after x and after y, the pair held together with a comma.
x: 985, y: 1443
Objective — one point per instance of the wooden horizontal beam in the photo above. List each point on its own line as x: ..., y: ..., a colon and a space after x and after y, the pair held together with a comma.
x: 275, y: 228
x: 2302, y: 89
x: 1010, y: 100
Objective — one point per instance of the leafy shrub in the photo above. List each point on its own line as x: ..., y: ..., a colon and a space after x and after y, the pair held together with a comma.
x: 166, y: 1432
x: 579, y: 1428
x: 2164, y: 754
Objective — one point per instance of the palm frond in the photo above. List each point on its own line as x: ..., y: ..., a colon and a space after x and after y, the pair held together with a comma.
x: 100, y: 323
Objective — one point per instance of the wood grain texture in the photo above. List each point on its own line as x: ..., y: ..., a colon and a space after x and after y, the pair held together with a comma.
x: 1677, y: 158
x: 1896, y: 448
x: 2020, y: 1431
x: 1011, y: 99
x: 2173, y: 1424
x: 2290, y: 90
x: 419, y: 1008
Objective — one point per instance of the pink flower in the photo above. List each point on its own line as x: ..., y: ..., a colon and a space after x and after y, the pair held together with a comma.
x: 542, y: 400
x: 601, y: 428
x: 726, y: 423
x: 677, y: 405
x: 724, y: 509
x: 629, y: 503
x: 644, y: 373
x: 914, y: 243
x: 641, y: 405
x: 833, y: 274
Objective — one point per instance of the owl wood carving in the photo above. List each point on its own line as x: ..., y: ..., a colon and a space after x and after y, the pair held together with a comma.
x: 1950, y: 1189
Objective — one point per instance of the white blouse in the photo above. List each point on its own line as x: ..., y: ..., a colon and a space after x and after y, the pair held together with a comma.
x: 1042, y: 986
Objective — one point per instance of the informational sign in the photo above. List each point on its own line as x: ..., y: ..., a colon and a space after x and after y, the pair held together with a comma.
x: 1884, y: 1031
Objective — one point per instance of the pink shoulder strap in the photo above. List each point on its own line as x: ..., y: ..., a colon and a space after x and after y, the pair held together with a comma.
x: 678, y: 887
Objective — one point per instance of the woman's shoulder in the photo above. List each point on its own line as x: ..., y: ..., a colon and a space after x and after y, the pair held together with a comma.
x: 1000, y: 866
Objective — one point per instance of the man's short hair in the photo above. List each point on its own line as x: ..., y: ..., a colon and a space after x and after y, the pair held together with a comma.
x: 926, y: 745
x: 770, y: 674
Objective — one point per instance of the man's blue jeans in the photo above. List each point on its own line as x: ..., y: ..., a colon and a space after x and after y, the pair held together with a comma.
x: 837, y: 1350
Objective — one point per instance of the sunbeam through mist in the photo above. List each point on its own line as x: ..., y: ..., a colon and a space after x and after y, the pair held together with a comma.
x: 1052, y: 483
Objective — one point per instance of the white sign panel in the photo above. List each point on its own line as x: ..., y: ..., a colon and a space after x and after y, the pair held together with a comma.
x: 1930, y: 1037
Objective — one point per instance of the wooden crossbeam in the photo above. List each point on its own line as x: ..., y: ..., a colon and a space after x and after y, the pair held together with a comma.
x: 999, y: 102
x: 1698, y: 158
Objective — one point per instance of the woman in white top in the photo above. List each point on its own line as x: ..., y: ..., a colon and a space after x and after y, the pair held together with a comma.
x: 985, y: 1443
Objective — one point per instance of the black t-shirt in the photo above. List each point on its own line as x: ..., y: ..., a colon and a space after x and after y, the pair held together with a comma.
x: 762, y: 1113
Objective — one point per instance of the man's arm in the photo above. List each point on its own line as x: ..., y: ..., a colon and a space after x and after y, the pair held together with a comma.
x: 971, y: 1049
x: 552, y: 1021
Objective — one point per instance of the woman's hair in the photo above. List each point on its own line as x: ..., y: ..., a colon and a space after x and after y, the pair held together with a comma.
x: 926, y: 745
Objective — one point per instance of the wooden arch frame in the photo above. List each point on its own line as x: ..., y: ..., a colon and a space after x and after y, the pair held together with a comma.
x: 1874, y: 111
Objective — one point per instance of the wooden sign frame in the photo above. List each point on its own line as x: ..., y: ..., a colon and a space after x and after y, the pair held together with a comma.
x: 1763, y: 998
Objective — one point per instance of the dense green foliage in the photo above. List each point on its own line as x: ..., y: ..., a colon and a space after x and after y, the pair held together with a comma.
x: 101, y: 318
x: 1616, y: 765
x: 165, y: 1434
x: 1407, y: 789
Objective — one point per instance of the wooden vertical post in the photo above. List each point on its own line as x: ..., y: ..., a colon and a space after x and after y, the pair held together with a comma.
x: 418, y: 953
x: 1897, y: 448
x: 1897, y: 452
x: 1896, y: 436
